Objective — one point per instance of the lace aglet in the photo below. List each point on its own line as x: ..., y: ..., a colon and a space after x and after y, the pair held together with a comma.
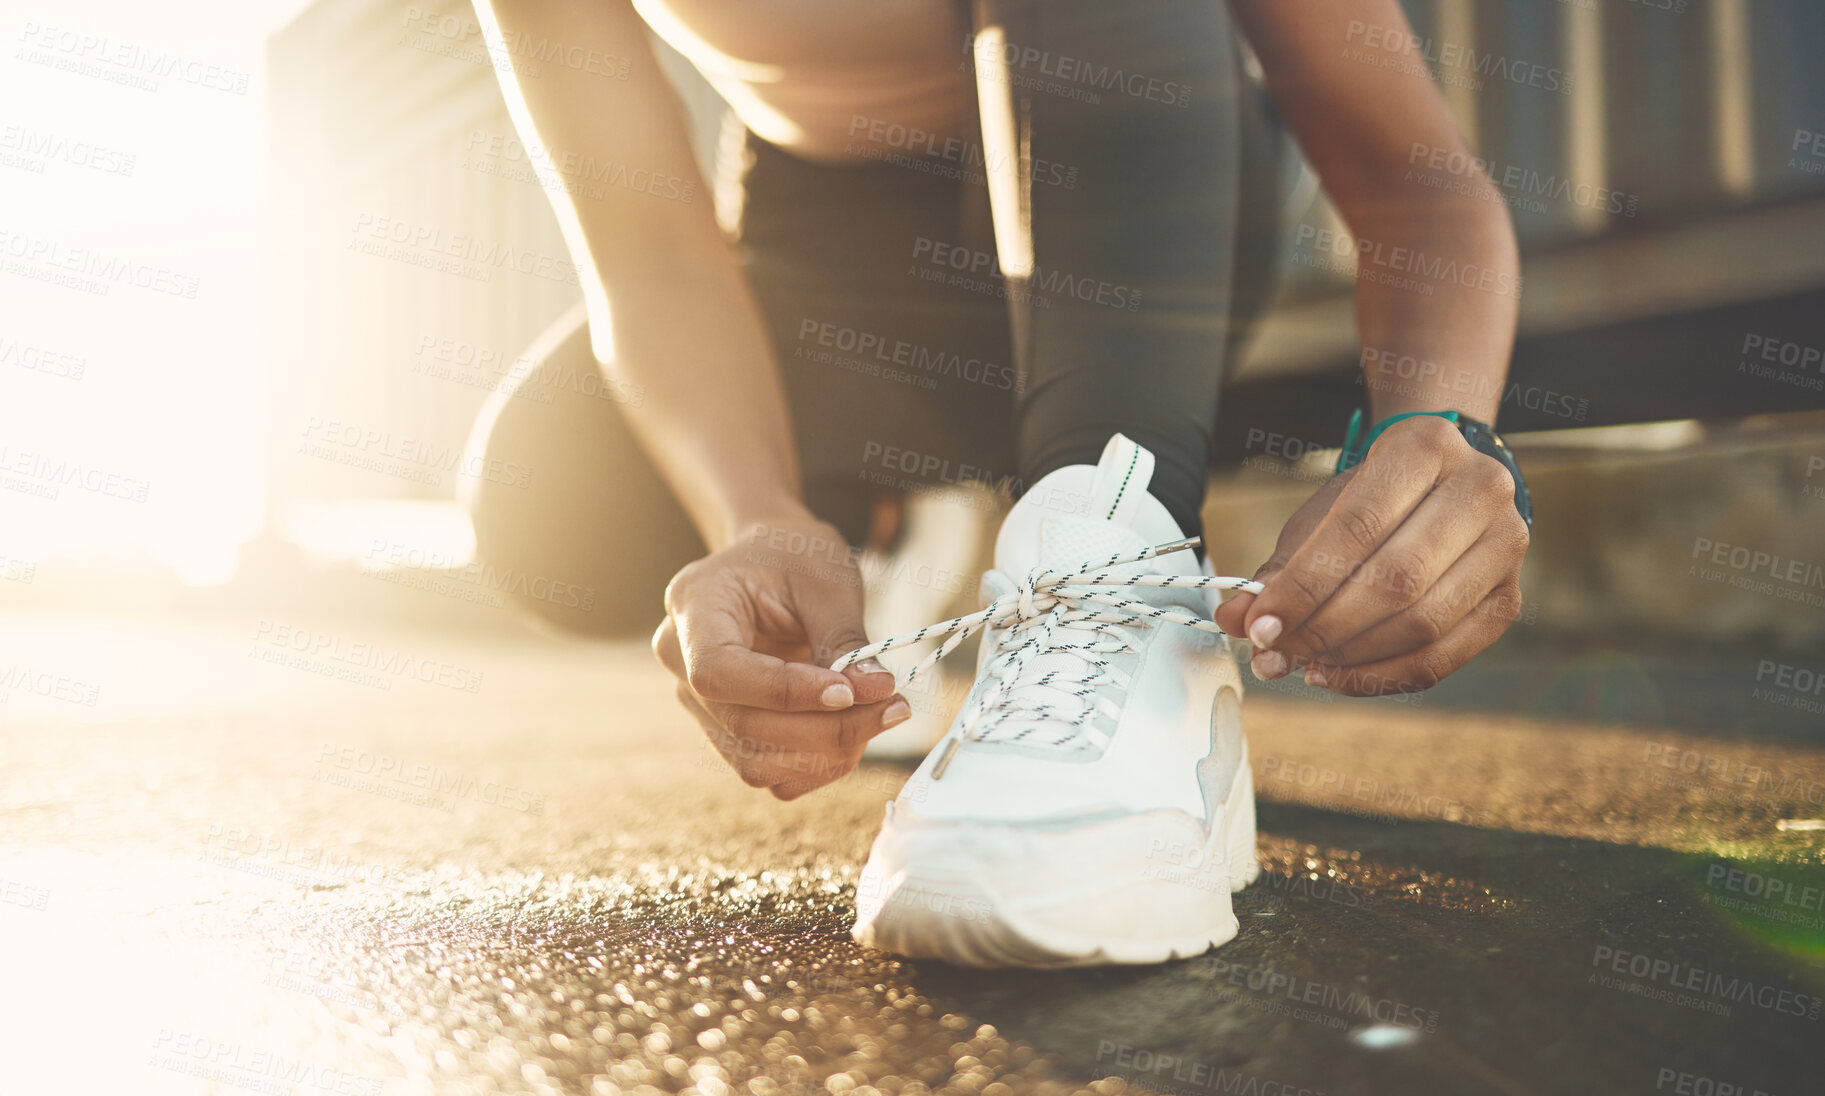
x: 944, y: 759
x: 1175, y: 546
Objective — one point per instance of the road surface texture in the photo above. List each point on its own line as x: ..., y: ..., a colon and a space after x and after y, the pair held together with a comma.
x: 258, y: 855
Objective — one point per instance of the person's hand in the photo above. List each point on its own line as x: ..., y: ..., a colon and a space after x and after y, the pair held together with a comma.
x: 1395, y: 573
x: 750, y: 632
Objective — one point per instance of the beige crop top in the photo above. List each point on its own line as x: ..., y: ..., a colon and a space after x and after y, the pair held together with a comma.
x: 838, y: 81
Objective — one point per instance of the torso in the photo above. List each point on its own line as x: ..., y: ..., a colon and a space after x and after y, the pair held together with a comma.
x: 837, y: 81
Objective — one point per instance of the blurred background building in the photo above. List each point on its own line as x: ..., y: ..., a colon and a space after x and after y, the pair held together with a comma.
x: 339, y: 814
x: 1657, y: 158
x: 1661, y: 159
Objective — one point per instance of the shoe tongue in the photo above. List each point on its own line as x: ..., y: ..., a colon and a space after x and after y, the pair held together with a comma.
x: 1085, y: 514
x: 1082, y: 514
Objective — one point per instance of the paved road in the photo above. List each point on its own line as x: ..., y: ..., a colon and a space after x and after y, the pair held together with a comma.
x: 409, y: 864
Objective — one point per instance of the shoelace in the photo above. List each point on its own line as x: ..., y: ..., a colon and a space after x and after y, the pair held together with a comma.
x: 1037, y: 614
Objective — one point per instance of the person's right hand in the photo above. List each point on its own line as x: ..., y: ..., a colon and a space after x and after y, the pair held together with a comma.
x: 750, y: 633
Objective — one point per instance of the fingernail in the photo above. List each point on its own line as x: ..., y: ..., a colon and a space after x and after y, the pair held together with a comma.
x: 1268, y: 665
x: 1264, y: 631
x: 871, y: 666
x: 897, y: 713
x: 1314, y: 676
x: 837, y: 695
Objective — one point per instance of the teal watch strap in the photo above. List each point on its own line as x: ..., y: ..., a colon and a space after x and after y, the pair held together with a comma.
x: 1353, y: 452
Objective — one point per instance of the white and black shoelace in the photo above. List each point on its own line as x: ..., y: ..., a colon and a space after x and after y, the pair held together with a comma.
x: 1082, y: 612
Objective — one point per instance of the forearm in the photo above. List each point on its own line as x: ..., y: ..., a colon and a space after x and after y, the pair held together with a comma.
x: 712, y: 412
x: 1437, y: 295
x: 671, y: 314
x: 1438, y: 277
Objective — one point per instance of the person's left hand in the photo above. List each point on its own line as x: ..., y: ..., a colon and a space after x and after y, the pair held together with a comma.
x: 1395, y: 573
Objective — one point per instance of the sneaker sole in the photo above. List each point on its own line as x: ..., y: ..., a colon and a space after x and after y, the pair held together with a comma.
x: 937, y: 891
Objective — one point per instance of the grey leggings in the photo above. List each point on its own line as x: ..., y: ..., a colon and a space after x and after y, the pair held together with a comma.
x: 1141, y: 207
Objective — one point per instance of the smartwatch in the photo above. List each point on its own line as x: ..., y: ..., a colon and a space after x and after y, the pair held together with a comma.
x: 1481, y: 436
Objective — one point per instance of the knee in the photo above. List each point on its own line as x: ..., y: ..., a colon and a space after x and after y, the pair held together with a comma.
x: 583, y: 536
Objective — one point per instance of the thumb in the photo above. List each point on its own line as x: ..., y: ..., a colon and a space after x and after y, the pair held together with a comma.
x: 1241, y: 606
x: 831, y: 615
x: 1232, y: 613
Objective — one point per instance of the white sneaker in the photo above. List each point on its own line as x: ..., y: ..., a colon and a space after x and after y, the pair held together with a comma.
x: 1092, y: 802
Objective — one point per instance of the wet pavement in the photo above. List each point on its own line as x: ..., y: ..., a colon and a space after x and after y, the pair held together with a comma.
x: 275, y: 856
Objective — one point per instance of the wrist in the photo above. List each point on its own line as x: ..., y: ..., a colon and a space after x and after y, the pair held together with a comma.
x: 760, y: 520
x: 1363, y: 433
x: 1401, y: 383
x: 1481, y: 409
